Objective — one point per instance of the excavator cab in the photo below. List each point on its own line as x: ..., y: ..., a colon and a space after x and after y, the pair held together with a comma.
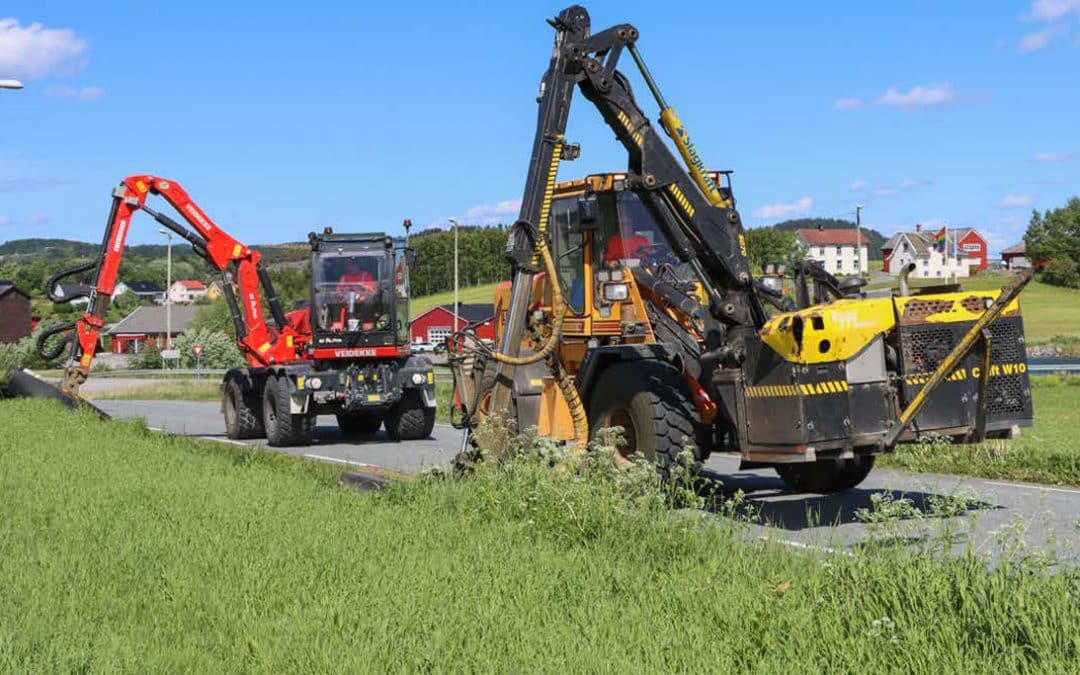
x: 352, y: 298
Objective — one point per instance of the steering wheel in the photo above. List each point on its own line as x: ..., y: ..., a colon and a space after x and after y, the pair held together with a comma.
x: 655, y: 254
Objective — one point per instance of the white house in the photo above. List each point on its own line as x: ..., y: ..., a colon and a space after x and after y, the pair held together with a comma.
x: 836, y: 250
x: 957, y: 260
x: 147, y: 290
x: 186, y: 291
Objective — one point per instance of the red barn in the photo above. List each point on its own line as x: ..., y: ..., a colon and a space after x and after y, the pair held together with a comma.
x: 437, y: 323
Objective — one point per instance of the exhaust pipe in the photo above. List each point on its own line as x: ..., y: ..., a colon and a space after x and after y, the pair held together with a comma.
x: 904, y: 288
x: 22, y: 383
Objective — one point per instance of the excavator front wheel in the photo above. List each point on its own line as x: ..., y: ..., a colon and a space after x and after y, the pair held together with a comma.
x: 826, y: 475
x: 282, y: 427
x: 650, y: 402
x: 243, y: 418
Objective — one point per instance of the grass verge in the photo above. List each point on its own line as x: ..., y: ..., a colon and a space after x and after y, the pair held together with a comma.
x: 1048, y: 452
x: 179, y: 390
x: 126, y: 550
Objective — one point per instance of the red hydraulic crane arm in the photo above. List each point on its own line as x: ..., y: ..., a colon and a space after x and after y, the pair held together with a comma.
x: 237, y: 263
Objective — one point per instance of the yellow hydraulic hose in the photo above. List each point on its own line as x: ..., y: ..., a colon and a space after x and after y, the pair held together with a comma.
x: 557, y: 322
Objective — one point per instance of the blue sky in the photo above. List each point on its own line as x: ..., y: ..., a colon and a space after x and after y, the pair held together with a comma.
x: 294, y: 116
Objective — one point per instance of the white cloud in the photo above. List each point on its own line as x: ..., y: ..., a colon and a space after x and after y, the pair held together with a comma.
x: 847, y: 103
x: 33, y: 51
x: 857, y: 186
x: 918, y: 96
x: 798, y: 207
x: 1015, y: 201
x: 4, y: 220
x: 1052, y: 10
x: 1033, y: 42
x: 492, y: 214
x: 885, y: 191
x: 1046, y: 157
x: 76, y: 93
x: 39, y: 219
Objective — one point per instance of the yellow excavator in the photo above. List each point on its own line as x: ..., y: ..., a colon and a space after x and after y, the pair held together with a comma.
x: 632, y: 304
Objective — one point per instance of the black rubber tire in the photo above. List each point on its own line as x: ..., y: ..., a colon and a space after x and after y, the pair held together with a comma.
x: 359, y: 423
x: 239, y: 405
x: 409, y: 419
x: 826, y: 476
x: 654, y: 398
x: 282, y: 428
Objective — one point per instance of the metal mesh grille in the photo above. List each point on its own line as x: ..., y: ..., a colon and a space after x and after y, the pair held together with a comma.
x: 1005, y: 344
x: 925, y: 348
x: 917, y: 310
x: 1006, y: 395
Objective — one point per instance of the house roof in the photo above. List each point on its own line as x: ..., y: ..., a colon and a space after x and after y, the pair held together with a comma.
x: 472, y: 312
x: 191, y: 284
x: 845, y: 237
x: 153, y: 319
x: 9, y: 286
x: 1018, y: 249
x: 918, y: 243
x: 73, y: 290
x: 144, y: 287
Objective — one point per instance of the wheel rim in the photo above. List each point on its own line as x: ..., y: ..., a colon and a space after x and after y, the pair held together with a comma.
x: 621, y: 417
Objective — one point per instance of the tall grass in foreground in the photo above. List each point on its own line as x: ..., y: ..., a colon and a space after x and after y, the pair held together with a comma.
x: 126, y: 550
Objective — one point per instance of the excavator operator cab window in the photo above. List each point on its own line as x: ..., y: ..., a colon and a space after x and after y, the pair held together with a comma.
x: 568, y: 248
x: 350, y: 291
x: 632, y: 238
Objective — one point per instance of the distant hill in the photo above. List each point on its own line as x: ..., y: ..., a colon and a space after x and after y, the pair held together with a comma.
x: 877, y: 239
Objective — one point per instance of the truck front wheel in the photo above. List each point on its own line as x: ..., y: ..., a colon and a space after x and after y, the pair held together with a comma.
x: 410, y: 419
x: 282, y: 427
x: 242, y: 415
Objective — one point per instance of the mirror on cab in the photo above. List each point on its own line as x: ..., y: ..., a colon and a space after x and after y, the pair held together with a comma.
x: 588, y: 211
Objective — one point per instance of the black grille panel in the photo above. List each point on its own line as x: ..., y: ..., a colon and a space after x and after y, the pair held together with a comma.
x: 924, y: 346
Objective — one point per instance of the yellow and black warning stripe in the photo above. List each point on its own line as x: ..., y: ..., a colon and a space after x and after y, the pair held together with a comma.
x: 960, y: 374
x: 634, y: 133
x: 681, y: 198
x: 810, y: 389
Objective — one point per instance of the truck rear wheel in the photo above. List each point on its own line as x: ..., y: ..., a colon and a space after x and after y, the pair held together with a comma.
x: 359, y: 423
x: 282, y: 427
x: 826, y: 475
x: 651, y: 402
x: 410, y: 419
x: 243, y: 419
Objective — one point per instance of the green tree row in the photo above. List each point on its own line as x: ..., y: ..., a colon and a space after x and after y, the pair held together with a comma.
x: 1053, y: 243
x: 480, y: 252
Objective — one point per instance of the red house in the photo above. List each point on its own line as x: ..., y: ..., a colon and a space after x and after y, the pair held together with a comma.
x: 965, y: 241
x: 437, y: 323
x: 16, y: 320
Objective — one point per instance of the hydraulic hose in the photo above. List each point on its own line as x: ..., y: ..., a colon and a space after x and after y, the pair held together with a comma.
x: 557, y: 320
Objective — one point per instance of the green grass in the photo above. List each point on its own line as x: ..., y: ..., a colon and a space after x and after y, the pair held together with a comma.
x: 127, y: 550
x: 182, y: 390
x: 1048, y: 452
x: 1049, y: 311
x: 484, y: 293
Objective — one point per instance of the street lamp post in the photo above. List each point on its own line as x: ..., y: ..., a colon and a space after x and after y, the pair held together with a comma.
x: 168, y: 286
x: 457, y: 308
x: 858, y: 239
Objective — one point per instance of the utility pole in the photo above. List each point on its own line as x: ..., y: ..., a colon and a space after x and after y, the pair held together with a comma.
x: 858, y: 240
x: 168, y: 286
x: 457, y: 308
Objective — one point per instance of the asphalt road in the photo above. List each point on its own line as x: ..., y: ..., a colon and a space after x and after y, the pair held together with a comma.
x: 995, y: 515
